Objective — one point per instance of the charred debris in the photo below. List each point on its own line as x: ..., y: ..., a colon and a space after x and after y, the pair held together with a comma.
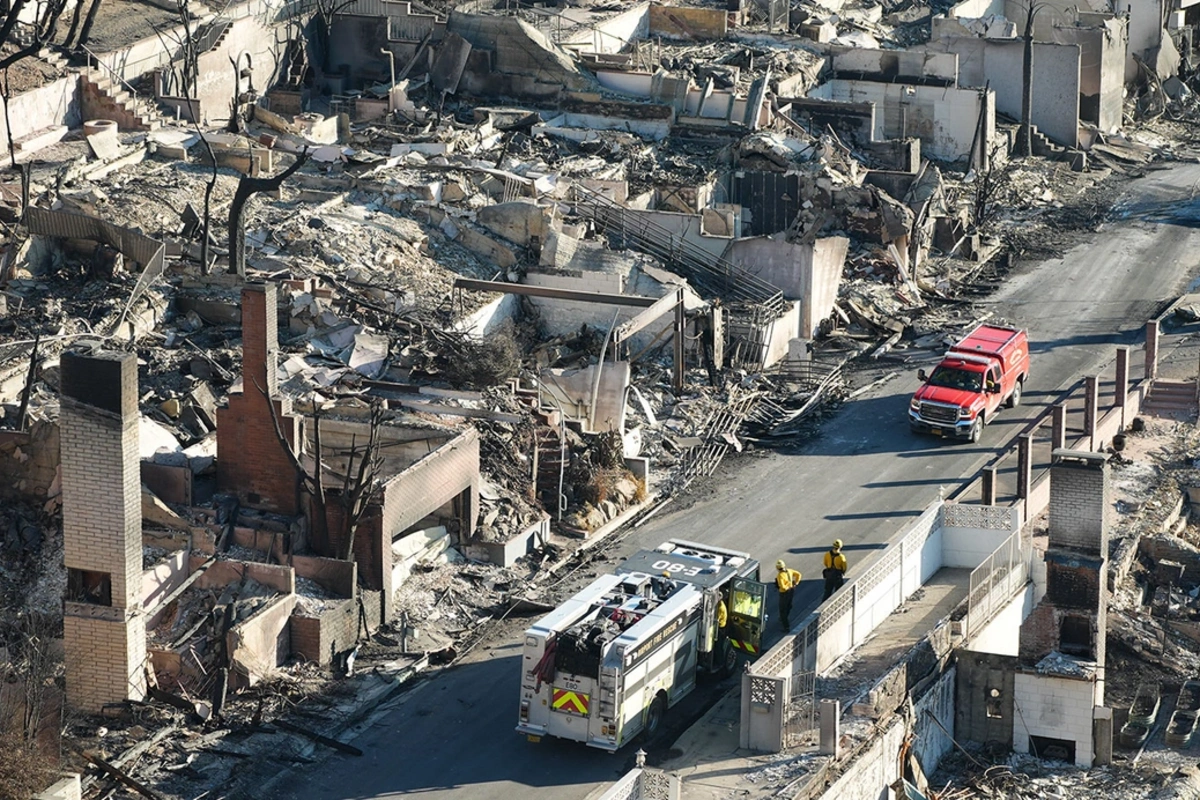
x: 461, y: 287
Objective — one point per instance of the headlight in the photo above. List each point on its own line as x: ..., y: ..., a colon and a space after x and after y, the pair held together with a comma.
x: 964, y: 413
x: 914, y: 404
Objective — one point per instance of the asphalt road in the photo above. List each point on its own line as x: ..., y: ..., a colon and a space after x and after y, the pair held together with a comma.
x: 860, y: 481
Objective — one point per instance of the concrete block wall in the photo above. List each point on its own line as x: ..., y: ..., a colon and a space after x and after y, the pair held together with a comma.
x: 251, y: 462
x: 254, y: 47
x: 1056, y: 708
x: 970, y: 546
x: 1079, y: 500
x: 279, y: 577
x: 1001, y: 634
x: 943, y: 118
x: 979, y: 716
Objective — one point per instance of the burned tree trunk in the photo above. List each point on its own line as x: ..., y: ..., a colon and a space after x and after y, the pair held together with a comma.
x: 248, y: 187
x: 87, y: 23
x: 358, y: 487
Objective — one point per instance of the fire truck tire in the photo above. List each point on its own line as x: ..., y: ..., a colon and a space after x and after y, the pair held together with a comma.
x: 977, y: 429
x: 729, y: 660
x: 1014, y: 399
x: 656, y: 715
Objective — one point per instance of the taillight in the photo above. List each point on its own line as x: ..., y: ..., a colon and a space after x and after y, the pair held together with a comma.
x: 524, y: 711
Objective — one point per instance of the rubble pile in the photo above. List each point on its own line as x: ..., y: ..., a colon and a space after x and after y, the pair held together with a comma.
x: 32, y: 577
x: 369, y: 201
x: 975, y: 774
x: 441, y: 603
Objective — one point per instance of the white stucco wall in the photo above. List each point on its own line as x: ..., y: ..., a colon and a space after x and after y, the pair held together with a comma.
x: 1000, y: 64
x: 810, y: 273
x: 54, y: 104
x: 943, y: 118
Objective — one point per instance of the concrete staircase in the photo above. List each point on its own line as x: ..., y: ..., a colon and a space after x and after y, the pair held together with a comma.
x: 1044, y: 147
x: 1171, y: 398
x: 102, y: 99
x: 54, y: 59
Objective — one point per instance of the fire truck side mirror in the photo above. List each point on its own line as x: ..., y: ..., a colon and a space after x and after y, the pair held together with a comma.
x: 921, y: 375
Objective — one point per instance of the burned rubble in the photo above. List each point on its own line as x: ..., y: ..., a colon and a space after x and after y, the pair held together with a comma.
x: 488, y: 305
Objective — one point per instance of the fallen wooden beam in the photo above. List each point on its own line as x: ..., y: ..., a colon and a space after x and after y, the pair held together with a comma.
x: 181, y: 588
x: 134, y: 752
x: 316, y: 737
x: 555, y: 293
x: 202, y: 710
x: 123, y: 777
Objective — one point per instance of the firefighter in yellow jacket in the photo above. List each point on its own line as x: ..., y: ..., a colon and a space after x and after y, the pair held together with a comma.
x: 786, y: 580
x: 835, y: 569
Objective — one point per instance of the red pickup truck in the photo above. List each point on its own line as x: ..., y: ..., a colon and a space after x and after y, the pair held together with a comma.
x: 965, y: 390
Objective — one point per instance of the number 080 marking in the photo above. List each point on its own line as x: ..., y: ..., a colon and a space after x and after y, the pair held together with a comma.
x: 671, y: 566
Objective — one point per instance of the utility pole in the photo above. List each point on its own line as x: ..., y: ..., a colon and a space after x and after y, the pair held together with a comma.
x: 1026, y: 137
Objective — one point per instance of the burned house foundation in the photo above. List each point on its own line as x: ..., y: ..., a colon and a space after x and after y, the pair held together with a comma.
x: 412, y: 302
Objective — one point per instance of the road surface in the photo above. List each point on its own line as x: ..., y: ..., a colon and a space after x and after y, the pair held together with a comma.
x: 861, y: 480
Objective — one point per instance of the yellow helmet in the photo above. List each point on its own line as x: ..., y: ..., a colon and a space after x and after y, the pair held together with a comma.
x: 837, y: 544
x: 780, y: 565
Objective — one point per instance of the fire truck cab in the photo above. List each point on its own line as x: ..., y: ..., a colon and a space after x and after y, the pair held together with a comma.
x: 609, y: 662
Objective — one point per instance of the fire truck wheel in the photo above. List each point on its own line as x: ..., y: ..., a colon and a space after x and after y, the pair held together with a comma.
x: 977, y: 429
x: 655, y: 716
x: 1014, y: 399
x: 729, y: 660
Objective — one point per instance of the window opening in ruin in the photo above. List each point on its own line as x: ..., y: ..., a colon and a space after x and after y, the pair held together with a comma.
x: 86, y: 586
x: 1052, y: 749
x: 1075, y: 636
x: 994, y: 710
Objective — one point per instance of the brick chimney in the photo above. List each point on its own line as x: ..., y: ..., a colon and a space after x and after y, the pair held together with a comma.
x: 250, y: 460
x: 1079, y: 501
x: 104, y: 630
x: 1072, y: 617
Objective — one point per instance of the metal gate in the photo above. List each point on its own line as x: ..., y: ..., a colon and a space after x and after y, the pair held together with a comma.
x: 800, y: 715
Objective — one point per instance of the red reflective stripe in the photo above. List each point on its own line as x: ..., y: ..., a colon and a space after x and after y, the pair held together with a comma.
x: 567, y: 700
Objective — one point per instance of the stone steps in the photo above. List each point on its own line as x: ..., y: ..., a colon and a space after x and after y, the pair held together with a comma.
x: 54, y: 59
x: 107, y: 100
x: 1171, y: 396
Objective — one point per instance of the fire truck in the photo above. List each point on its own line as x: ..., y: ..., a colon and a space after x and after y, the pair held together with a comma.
x: 608, y: 663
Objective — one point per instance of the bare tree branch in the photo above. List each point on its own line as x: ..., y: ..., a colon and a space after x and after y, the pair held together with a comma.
x: 246, y: 188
